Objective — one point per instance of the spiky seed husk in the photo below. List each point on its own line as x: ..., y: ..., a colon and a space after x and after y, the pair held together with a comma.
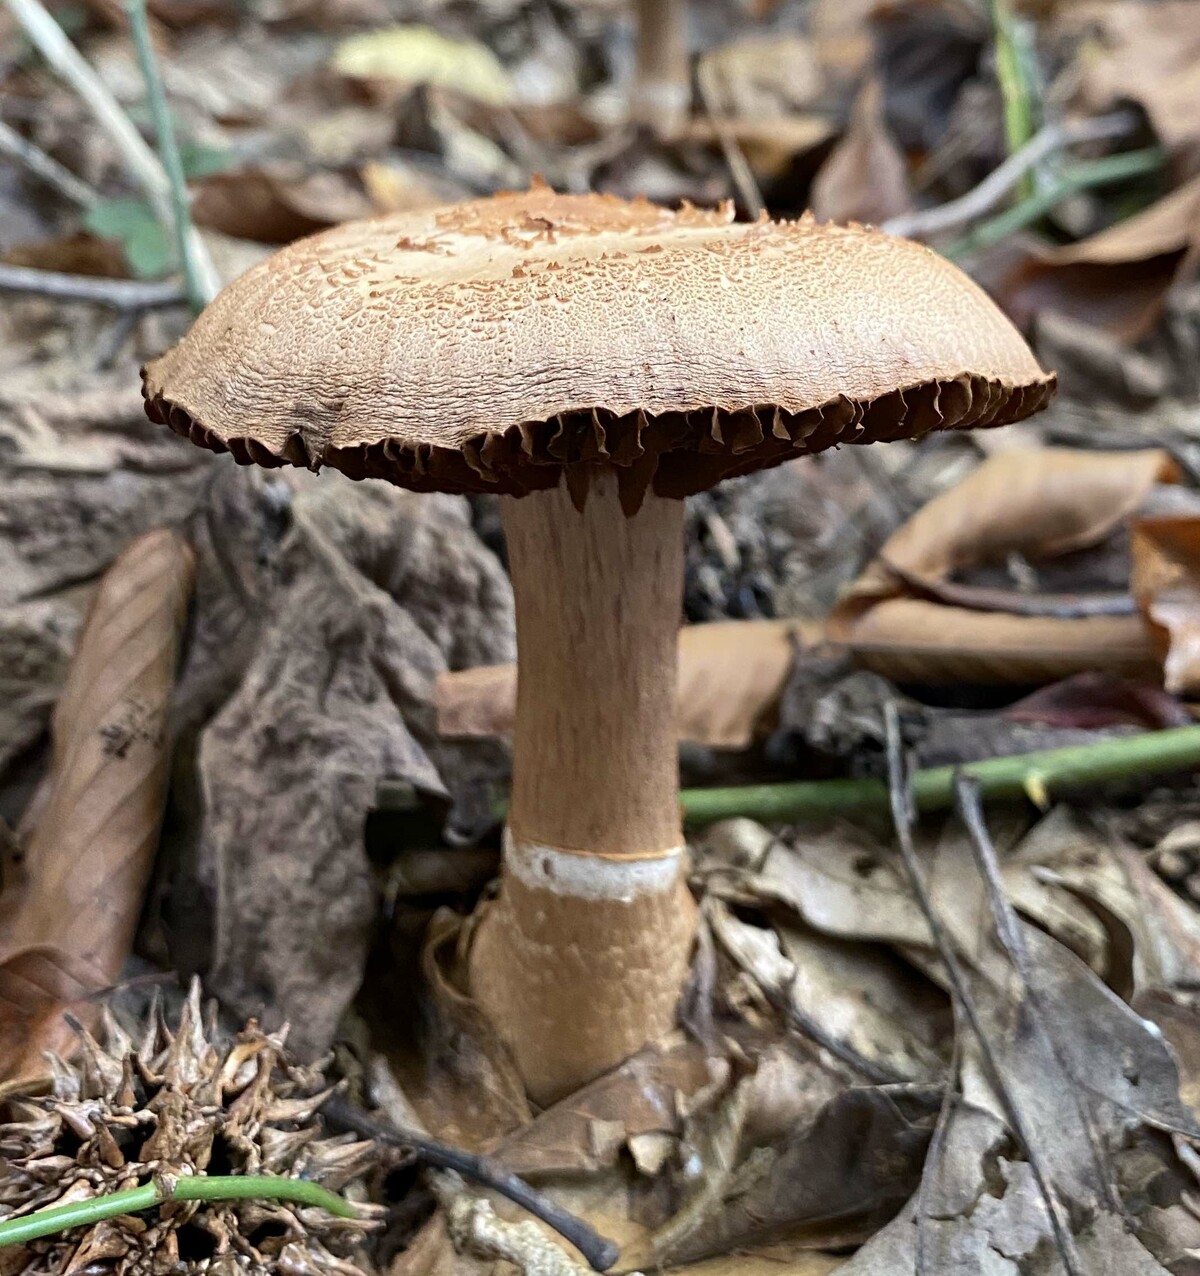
x: 190, y: 1101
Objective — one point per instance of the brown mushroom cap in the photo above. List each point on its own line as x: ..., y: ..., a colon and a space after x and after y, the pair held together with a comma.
x: 488, y: 346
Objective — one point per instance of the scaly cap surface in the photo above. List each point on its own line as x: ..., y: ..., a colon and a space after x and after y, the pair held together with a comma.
x: 491, y: 345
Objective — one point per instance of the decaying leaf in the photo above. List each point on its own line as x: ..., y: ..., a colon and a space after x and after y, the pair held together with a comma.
x: 1166, y: 582
x: 646, y: 1096
x: 1118, y: 279
x: 790, y: 1157
x: 333, y: 607
x: 89, y: 854
x: 731, y: 674
x: 421, y: 55
x: 865, y: 178
x: 1148, y: 54
x: 1064, y: 501
x: 274, y: 203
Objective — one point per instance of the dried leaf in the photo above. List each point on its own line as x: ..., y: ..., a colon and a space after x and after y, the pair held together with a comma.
x: 865, y: 178
x: 731, y: 675
x: 1117, y: 280
x: 420, y: 55
x: 855, y: 995
x: 787, y: 1160
x: 278, y: 202
x: 646, y: 1095
x: 1060, y: 501
x: 322, y: 660
x: 1166, y: 583
x: 89, y: 857
x: 460, y: 1078
x: 1148, y: 54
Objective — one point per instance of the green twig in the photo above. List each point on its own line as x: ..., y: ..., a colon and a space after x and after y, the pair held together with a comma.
x: 199, y: 284
x: 1079, y: 177
x: 233, y: 1187
x: 1034, y: 775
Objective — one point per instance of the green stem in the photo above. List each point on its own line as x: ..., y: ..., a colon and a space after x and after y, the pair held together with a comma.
x: 1012, y: 73
x: 233, y: 1187
x: 1035, y: 775
x: 1079, y: 177
x: 197, y: 289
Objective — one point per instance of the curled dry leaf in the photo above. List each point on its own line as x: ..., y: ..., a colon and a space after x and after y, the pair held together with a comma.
x: 326, y: 611
x: 731, y: 675
x: 792, y: 1157
x: 1118, y: 279
x: 865, y: 177
x: 1166, y: 584
x: 276, y: 202
x: 1050, y: 504
x: 89, y: 854
x: 645, y: 1096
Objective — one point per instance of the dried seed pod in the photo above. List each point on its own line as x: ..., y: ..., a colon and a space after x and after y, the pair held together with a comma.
x: 174, y: 1103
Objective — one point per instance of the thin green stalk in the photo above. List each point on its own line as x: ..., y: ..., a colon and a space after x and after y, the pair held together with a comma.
x: 1079, y: 177
x: 1015, y: 75
x: 1034, y: 775
x: 233, y: 1187
x: 199, y: 289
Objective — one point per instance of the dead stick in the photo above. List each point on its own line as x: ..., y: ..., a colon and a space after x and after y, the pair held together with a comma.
x: 903, y: 817
x: 120, y: 294
x: 599, y: 1251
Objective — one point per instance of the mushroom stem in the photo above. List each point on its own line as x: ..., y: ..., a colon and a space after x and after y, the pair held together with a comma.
x: 662, y: 77
x: 581, y: 959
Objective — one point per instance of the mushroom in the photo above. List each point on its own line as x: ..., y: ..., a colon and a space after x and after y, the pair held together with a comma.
x: 593, y: 361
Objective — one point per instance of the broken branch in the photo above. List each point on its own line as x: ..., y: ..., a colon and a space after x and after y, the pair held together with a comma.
x: 126, y: 295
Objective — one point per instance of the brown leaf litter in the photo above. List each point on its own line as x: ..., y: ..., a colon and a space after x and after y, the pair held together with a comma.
x: 324, y: 613
x: 1032, y: 504
x: 67, y: 922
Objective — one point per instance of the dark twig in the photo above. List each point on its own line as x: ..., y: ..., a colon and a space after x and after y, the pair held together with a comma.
x: 599, y: 1251
x: 1012, y: 940
x: 903, y: 818
x: 119, y: 294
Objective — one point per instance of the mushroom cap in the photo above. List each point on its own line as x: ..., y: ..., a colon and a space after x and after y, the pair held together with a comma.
x: 491, y: 346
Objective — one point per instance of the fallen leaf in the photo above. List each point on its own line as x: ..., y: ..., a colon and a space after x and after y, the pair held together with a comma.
x: 731, y: 675
x: 865, y: 177
x: 1117, y: 280
x: 1149, y: 54
x: 1166, y: 583
x: 789, y: 1157
x: 88, y: 857
x: 277, y: 202
x: 415, y: 55
x: 1065, y: 501
x: 325, y: 613
x: 646, y: 1095
x: 857, y: 998
x: 765, y: 77
x: 1092, y: 701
